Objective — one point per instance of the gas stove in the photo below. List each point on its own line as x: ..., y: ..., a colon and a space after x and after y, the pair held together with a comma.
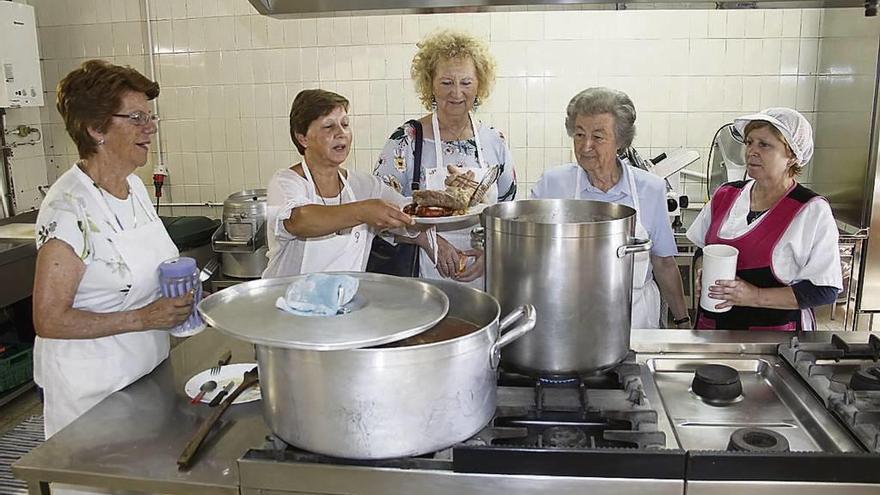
x: 674, y: 418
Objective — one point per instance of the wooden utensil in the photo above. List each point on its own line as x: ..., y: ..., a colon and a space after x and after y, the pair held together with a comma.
x: 251, y: 378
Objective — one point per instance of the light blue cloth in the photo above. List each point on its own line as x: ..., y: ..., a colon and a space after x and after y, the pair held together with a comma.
x: 318, y: 294
x: 560, y: 182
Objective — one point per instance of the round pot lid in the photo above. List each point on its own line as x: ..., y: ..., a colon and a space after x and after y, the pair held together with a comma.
x: 385, y: 309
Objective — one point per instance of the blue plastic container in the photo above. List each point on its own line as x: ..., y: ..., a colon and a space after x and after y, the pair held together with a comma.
x: 178, y: 276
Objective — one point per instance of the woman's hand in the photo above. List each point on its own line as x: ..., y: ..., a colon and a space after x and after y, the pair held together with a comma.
x: 382, y: 215
x: 472, y: 271
x: 166, y: 312
x: 735, y: 293
x: 447, y: 258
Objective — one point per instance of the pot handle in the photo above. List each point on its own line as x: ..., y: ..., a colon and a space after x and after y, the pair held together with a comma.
x: 526, y: 311
x: 637, y: 246
x: 478, y: 238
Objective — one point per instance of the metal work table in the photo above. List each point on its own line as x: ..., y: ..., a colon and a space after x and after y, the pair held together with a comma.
x: 132, y: 439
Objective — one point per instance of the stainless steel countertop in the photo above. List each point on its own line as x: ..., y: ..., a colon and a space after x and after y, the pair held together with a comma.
x: 132, y: 439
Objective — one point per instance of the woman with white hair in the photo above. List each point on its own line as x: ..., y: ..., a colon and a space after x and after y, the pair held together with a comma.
x: 788, y: 258
x: 601, y: 123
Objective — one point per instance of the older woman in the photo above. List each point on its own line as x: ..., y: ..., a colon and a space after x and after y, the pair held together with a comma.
x: 98, y: 313
x: 452, y: 72
x: 788, y: 257
x: 601, y: 123
x: 321, y: 216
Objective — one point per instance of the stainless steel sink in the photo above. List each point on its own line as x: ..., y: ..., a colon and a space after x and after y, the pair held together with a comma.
x: 773, y: 398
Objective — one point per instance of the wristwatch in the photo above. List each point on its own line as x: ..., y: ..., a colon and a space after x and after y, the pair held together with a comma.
x: 679, y: 321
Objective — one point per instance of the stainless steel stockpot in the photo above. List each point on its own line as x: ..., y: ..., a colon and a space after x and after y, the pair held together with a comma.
x: 377, y: 403
x: 571, y: 259
x: 241, y: 238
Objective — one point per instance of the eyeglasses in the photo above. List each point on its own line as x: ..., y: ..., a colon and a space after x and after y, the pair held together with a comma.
x: 138, y: 118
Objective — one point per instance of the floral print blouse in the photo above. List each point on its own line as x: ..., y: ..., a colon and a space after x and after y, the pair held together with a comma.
x: 395, y: 164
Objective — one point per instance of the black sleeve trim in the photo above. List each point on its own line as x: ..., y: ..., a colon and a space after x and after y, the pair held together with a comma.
x: 810, y: 296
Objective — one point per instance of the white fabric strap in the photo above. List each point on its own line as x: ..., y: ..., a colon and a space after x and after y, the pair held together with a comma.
x: 438, y: 143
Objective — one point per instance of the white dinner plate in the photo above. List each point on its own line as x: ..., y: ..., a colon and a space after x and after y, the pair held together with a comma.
x: 229, y: 373
x: 471, y: 212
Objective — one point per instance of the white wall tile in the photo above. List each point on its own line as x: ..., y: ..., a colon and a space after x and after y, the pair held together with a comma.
x: 229, y: 75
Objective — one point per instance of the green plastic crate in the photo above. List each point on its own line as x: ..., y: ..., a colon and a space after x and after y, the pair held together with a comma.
x: 16, y: 366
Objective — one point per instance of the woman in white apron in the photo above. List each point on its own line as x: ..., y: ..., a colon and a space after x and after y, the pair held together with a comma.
x: 601, y: 122
x: 452, y: 72
x: 321, y: 217
x: 98, y: 314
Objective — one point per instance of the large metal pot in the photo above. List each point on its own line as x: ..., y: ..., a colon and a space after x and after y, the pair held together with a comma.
x: 241, y: 238
x: 571, y: 259
x: 385, y: 402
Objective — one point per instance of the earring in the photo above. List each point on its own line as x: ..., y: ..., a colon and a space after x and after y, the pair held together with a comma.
x: 433, y: 103
x: 101, y: 142
x: 476, y: 103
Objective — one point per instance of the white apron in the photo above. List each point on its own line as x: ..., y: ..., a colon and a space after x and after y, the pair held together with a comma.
x: 342, y: 251
x: 73, y: 384
x: 435, y: 179
x: 646, y: 294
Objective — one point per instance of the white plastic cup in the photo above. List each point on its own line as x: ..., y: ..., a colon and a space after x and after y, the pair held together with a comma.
x: 719, y: 263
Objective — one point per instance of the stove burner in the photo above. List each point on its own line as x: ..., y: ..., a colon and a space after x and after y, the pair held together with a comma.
x: 757, y: 440
x: 868, y: 379
x: 565, y: 437
x: 557, y: 380
x: 717, y: 384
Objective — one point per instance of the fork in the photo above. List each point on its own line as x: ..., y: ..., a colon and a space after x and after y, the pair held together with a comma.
x: 208, y: 270
x: 223, y: 361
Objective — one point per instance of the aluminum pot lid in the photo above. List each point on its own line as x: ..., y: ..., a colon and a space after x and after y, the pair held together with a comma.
x: 385, y: 309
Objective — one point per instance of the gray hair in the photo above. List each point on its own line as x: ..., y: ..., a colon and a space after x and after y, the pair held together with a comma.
x: 595, y: 101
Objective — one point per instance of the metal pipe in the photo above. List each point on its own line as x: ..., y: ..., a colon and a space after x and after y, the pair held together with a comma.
x: 6, y: 189
x: 692, y: 174
x: 208, y: 204
x: 160, y: 165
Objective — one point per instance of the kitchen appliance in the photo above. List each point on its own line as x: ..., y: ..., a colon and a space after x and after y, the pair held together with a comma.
x: 727, y: 159
x: 241, y: 238
x: 584, y: 313
x: 350, y: 387
x: 639, y: 427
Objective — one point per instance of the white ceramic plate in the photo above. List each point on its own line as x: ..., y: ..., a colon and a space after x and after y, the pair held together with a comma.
x: 471, y: 212
x: 230, y: 372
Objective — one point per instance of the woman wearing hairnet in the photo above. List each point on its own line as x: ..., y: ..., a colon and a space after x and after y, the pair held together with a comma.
x: 786, y: 236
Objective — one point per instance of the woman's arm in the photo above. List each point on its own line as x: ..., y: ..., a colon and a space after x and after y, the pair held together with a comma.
x: 58, y: 274
x: 669, y: 282
x: 320, y: 220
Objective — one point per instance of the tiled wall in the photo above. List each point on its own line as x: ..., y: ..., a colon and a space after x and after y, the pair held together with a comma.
x: 228, y: 76
x: 844, y: 102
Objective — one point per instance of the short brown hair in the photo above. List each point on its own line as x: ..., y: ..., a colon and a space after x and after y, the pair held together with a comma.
x: 795, y: 169
x: 90, y: 94
x: 449, y: 45
x: 308, y: 106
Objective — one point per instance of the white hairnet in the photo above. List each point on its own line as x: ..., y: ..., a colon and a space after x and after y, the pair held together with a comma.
x: 793, y: 126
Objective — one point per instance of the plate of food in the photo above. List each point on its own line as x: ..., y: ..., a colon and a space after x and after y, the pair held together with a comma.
x: 433, y: 215
x: 461, y: 198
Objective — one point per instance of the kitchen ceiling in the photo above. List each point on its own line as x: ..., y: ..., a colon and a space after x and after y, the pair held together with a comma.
x: 285, y: 8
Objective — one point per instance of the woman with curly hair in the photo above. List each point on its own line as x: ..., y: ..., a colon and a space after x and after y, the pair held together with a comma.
x: 453, y: 72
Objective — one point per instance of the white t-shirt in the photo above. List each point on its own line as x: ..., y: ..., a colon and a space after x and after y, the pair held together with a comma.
x: 288, y: 190
x: 808, y: 248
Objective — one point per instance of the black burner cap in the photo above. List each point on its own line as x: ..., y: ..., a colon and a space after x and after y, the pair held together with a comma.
x: 716, y: 383
x: 757, y: 440
x: 868, y: 379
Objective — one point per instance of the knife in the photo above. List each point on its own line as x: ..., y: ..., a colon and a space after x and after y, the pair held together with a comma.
x: 221, y: 394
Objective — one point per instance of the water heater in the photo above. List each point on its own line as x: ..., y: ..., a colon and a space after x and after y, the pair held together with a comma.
x: 21, y: 84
